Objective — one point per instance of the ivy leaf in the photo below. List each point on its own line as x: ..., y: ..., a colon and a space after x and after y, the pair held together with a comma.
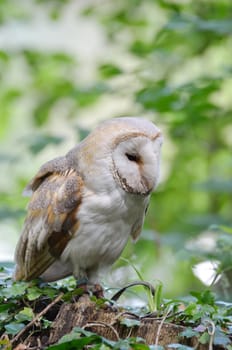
x: 204, y: 338
x: 33, y: 293
x: 16, y: 289
x: 180, y: 346
x: 220, y: 338
x: 4, y: 316
x: 189, y: 333
x: 4, y: 307
x: 76, y: 343
x: 14, y: 327
x: 77, y: 332
x: 25, y: 315
x: 46, y: 323
x: 128, y: 322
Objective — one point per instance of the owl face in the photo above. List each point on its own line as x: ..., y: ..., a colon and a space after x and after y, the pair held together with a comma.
x: 126, y: 153
x: 136, y: 163
x: 127, y: 148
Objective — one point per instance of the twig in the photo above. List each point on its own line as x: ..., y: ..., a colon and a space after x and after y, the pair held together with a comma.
x: 160, y: 326
x: 36, y: 318
x: 102, y: 324
x: 125, y: 313
x: 211, y: 334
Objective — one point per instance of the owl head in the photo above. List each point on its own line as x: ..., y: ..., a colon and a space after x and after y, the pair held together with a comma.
x: 125, y: 151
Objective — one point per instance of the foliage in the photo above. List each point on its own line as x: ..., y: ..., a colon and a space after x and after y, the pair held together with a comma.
x: 204, y: 317
x: 166, y: 60
x: 169, y: 61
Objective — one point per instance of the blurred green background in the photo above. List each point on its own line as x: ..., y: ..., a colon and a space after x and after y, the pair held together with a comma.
x: 66, y: 65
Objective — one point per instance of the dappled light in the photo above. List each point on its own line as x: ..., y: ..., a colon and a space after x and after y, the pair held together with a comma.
x: 65, y: 66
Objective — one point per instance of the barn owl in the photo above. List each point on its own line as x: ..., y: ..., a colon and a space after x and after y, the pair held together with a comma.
x: 85, y: 205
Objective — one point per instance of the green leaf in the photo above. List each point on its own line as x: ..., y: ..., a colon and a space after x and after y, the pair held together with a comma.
x: 205, y: 297
x: 180, y: 347
x: 33, y: 293
x: 16, y: 289
x: 221, y: 338
x: 141, y: 48
x: 25, y: 315
x: 42, y: 111
x: 128, y: 322
x: 139, y: 346
x: 123, y: 344
x: 13, y: 328
x: 204, y: 338
x: 190, y: 309
x: 109, y: 70
x: 189, y: 333
x: 46, y: 323
x: 76, y: 343
x: 4, y: 317
x: 49, y: 291
x: 7, y: 306
x: 79, y: 339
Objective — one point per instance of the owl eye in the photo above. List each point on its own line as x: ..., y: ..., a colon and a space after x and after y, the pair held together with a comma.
x: 132, y: 157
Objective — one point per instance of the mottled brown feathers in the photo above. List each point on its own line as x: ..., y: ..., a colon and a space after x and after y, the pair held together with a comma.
x: 56, y: 165
x: 58, y: 240
x: 51, y: 221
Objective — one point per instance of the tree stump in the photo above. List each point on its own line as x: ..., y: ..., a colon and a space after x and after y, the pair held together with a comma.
x: 106, y: 321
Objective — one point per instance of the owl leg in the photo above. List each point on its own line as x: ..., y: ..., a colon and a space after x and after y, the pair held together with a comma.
x: 83, y: 284
x: 90, y: 288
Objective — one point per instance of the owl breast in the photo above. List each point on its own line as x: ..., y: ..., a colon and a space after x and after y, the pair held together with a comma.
x: 107, y: 222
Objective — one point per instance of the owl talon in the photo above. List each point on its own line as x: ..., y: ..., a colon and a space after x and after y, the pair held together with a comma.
x: 89, y: 288
x: 98, y: 291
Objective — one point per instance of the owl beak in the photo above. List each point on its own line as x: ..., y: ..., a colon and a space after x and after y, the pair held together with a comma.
x: 147, y: 185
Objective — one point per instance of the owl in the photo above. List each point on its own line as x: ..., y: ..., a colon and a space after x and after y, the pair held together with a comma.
x: 85, y: 205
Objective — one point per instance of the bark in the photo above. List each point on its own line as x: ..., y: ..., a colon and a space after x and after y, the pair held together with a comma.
x: 106, y: 322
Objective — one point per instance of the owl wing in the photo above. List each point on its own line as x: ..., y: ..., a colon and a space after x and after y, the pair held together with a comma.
x: 51, y: 220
